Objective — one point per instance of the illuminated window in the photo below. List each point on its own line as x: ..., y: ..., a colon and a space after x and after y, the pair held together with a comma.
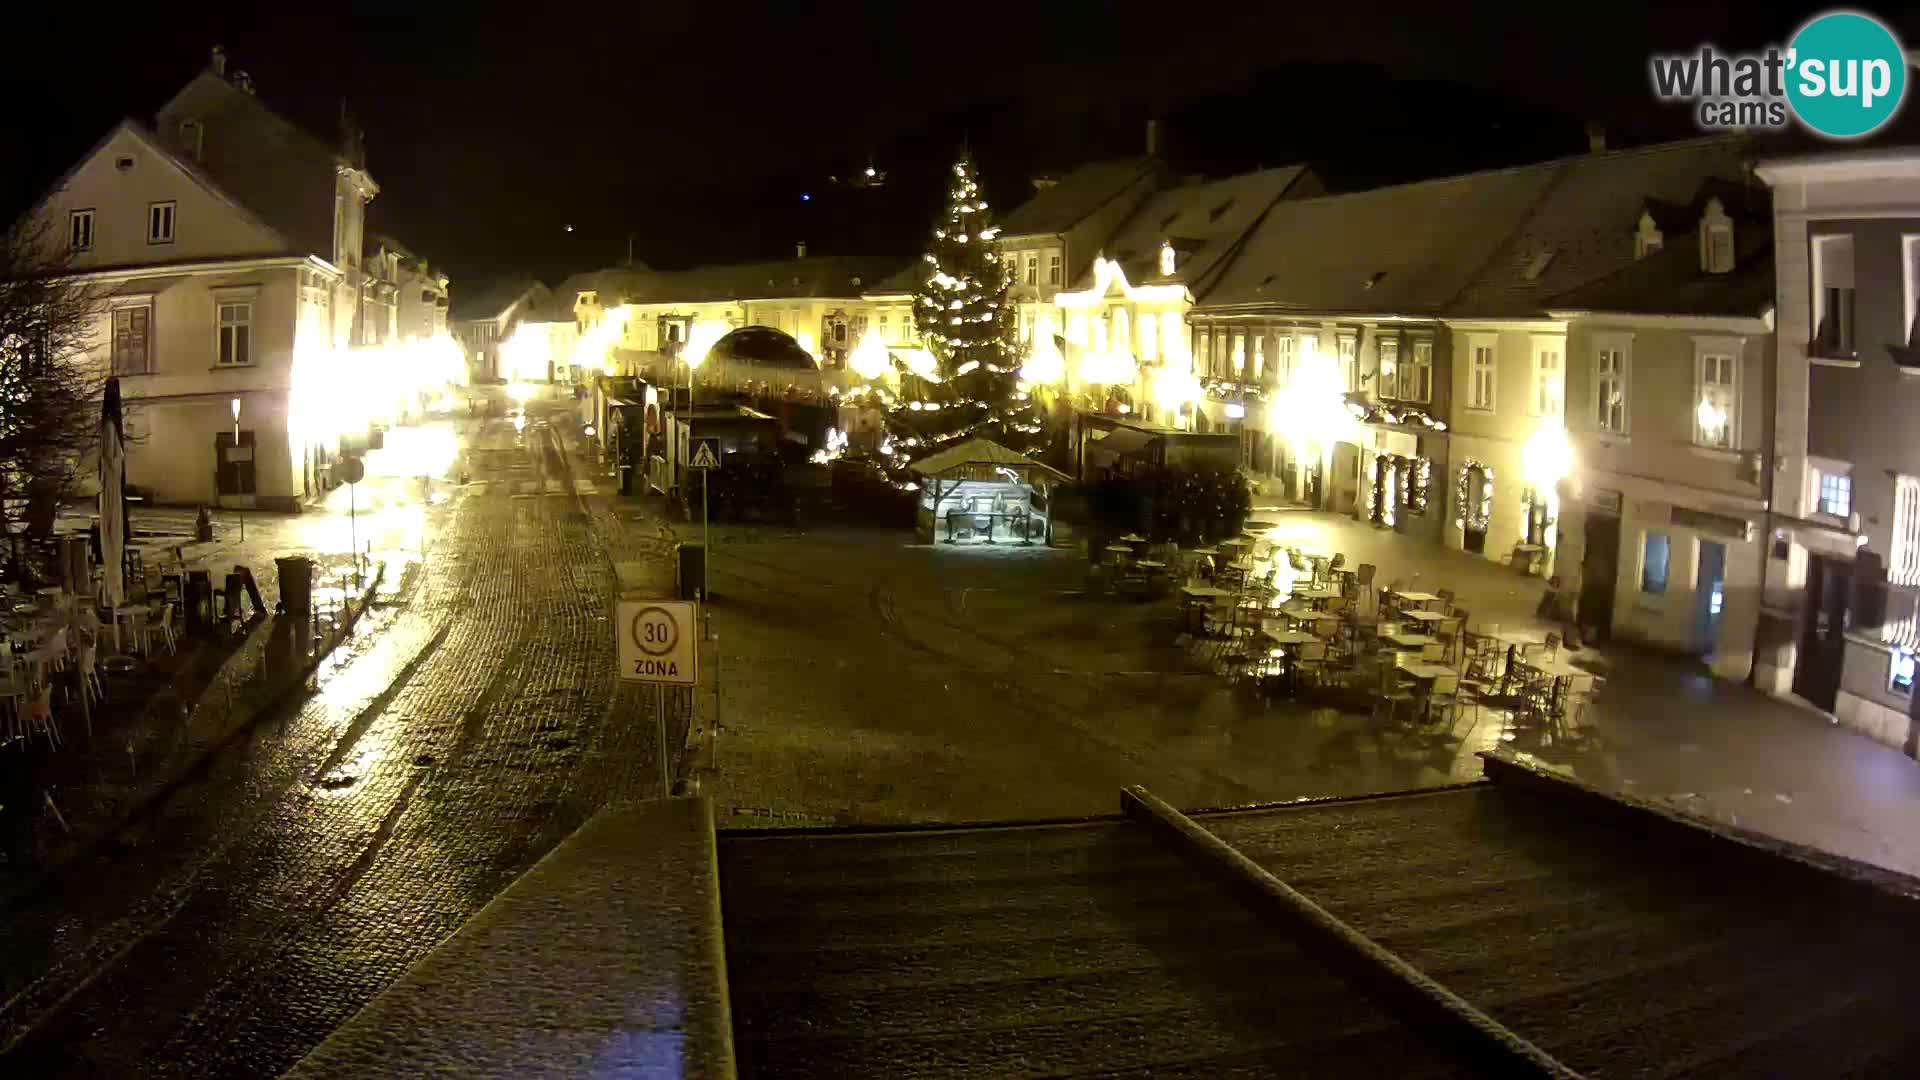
x: 1149, y: 336
x: 1836, y: 494
x: 1387, y: 383
x: 1903, y: 568
x: 1053, y: 269
x: 1347, y: 346
x: 1239, y: 353
x: 1285, y: 349
x: 1653, y: 563
x: 80, y: 230
x: 236, y: 333
x: 1259, y: 356
x: 1900, y: 672
x: 160, y: 224
x: 1716, y: 412
x: 1033, y: 269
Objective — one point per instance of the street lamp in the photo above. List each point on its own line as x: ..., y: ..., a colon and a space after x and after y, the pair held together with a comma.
x: 234, y: 407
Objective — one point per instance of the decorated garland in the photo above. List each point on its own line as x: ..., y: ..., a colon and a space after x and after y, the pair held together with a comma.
x: 1475, y: 508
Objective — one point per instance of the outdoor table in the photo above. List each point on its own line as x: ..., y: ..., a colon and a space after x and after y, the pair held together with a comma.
x: 1412, y: 597
x: 1422, y: 670
x: 1204, y: 551
x: 1150, y: 564
x: 1518, y: 638
x: 1196, y: 597
x: 1420, y: 615
x: 1287, y: 637
x: 1409, y: 641
x: 1236, y: 542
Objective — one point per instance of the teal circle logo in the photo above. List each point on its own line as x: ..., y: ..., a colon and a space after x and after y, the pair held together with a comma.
x: 1846, y: 74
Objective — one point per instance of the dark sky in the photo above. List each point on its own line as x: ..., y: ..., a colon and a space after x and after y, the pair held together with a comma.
x: 695, y: 128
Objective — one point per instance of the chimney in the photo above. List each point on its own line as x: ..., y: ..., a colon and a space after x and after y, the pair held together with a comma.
x: 243, y: 81
x: 800, y: 249
x: 1596, y: 138
x: 219, y: 61
x: 1153, y: 137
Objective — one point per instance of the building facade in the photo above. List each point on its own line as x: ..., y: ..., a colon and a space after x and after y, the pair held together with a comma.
x: 485, y: 321
x: 1843, y: 558
x: 224, y: 243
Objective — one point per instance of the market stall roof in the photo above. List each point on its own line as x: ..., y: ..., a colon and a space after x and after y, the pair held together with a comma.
x: 1122, y: 441
x: 978, y: 451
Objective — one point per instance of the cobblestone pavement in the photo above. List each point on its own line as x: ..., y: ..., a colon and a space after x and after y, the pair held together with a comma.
x: 306, y: 866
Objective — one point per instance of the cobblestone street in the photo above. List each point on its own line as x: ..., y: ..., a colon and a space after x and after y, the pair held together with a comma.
x: 306, y: 866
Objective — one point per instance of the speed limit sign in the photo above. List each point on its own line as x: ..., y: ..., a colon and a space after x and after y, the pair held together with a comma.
x: 657, y: 641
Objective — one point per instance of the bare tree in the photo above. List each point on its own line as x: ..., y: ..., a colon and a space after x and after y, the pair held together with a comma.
x: 50, y: 389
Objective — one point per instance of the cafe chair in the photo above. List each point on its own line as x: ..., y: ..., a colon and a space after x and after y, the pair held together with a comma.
x: 1391, y: 693
x: 161, y: 629
x: 1550, y: 649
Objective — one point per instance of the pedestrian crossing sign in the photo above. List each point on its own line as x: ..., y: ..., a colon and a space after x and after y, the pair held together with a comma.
x: 705, y: 454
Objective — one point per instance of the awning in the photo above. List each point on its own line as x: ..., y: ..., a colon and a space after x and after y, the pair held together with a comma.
x: 1121, y: 442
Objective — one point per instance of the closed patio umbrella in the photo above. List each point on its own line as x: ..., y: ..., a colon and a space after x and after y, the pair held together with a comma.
x: 113, y: 505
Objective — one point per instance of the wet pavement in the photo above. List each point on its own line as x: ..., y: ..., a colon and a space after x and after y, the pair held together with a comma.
x: 305, y: 866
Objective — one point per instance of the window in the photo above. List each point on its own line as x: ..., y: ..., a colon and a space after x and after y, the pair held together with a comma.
x: 1259, y: 356
x: 1900, y: 672
x: 1388, y: 382
x: 1416, y: 378
x: 1610, y: 387
x: 1653, y: 563
x: 1348, y: 346
x: 80, y: 230
x: 236, y: 331
x: 1719, y: 249
x: 132, y: 340
x: 1836, y: 494
x: 1549, y: 382
x: 1903, y: 568
x: 1285, y: 350
x: 1715, y: 412
x: 1910, y: 270
x: 884, y: 338
x: 1033, y: 269
x: 1053, y: 269
x: 1202, y: 359
x: 1833, y: 297
x: 160, y: 223
x: 1149, y: 336
x: 1239, y: 353
x: 1481, y: 374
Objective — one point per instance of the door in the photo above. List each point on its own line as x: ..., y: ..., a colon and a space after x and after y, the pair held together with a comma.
x: 1816, y: 674
x: 233, y: 463
x: 1709, y: 596
x: 1599, y: 575
x: 1474, y: 511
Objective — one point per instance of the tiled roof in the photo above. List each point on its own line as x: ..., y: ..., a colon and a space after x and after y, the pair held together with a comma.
x: 1670, y: 281
x: 1502, y: 243
x: 1408, y: 249
x: 1204, y: 221
x: 819, y: 276
x: 1582, y: 229
x: 1060, y: 207
x: 489, y: 301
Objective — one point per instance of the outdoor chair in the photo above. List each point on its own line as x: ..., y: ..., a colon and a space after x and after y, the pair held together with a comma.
x: 1391, y: 693
x: 161, y: 629
x: 1446, y: 600
x: 39, y: 715
x: 91, y: 687
x: 1363, y: 584
x: 1451, y: 631
x: 1443, y: 692
x: 1550, y: 649
x: 1310, y: 661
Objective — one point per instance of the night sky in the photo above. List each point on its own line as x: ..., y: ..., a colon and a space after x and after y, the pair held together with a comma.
x: 694, y: 129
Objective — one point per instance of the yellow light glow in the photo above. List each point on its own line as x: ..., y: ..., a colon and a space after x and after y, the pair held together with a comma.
x: 922, y: 363
x: 593, y: 351
x: 1107, y: 368
x: 524, y: 355
x: 522, y: 392
x: 1547, y: 457
x: 1713, y: 419
x: 1045, y: 365
x: 869, y: 358
x: 1310, y: 412
x: 1174, y: 387
x: 701, y: 338
x: 1106, y: 273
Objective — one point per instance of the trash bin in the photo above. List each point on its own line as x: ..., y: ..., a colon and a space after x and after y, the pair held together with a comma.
x: 693, y: 570
x: 199, y: 601
x: 296, y: 584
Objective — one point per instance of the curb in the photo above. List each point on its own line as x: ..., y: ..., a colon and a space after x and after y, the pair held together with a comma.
x: 274, y: 700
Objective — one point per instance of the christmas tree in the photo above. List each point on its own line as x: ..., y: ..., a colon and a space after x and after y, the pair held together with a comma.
x: 960, y: 307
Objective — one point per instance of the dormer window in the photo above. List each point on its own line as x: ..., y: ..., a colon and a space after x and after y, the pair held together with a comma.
x: 1648, y: 239
x: 1716, y: 239
x: 1166, y: 259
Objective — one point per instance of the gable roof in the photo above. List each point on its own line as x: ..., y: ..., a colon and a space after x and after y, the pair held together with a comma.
x: 1204, y: 221
x: 814, y: 277
x: 1408, y: 249
x: 493, y: 300
x: 977, y: 451
x: 1670, y: 281
x: 1061, y: 206
x: 155, y: 145
x: 207, y: 83
x: 1582, y: 228
x: 1501, y: 243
